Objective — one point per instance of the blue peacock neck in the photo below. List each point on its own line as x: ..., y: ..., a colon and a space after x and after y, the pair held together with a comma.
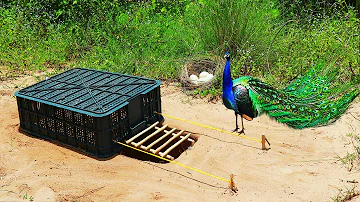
x: 227, y: 80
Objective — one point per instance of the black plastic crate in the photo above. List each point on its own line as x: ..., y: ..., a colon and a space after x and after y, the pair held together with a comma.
x: 88, y: 109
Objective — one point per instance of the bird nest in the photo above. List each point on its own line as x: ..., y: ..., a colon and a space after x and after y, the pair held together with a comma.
x: 196, y: 66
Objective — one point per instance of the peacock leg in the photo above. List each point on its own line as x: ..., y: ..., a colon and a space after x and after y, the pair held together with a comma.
x: 237, y: 127
x: 242, y: 124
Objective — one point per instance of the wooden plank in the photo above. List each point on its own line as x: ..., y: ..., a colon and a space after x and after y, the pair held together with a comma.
x: 175, y: 145
x: 151, y: 135
x: 142, y: 132
x: 158, y: 140
x: 166, y: 143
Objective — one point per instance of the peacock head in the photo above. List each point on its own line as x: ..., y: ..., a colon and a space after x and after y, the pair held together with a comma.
x: 227, y: 55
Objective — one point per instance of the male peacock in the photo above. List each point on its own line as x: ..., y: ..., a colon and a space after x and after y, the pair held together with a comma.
x: 318, y: 98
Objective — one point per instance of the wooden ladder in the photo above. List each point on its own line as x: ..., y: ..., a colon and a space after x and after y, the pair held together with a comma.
x: 170, y: 135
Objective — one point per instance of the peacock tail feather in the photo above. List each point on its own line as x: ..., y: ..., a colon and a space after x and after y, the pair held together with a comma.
x: 318, y: 98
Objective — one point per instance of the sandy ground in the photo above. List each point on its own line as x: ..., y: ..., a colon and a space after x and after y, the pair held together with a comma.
x: 300, y: 166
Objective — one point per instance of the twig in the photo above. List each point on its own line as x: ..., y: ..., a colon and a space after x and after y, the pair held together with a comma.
x: 90, y: 192
x: 352, y: 71
x: 8, y: 191
x: 354, y: 116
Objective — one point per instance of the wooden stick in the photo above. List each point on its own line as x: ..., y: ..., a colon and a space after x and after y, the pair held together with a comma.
x: 170, y: 157
x: 142, y: 132
x: 151, y: 135
x: 166, y: 143
x: 189, y: 139
x: 175, y: 145
x: 158, y: 140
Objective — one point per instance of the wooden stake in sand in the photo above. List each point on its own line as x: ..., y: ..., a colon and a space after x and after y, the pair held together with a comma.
x: 263, y: 140
x: 232, y: 184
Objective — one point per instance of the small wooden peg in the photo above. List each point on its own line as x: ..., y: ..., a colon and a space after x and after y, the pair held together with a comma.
x: 232, y: 184
x: 263, y: 138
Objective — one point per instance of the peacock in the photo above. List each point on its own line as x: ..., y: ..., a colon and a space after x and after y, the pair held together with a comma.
x: 317, y: 98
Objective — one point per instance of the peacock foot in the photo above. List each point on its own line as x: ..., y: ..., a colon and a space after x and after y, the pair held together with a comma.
x: 235, y: 130
x: 242, y: 131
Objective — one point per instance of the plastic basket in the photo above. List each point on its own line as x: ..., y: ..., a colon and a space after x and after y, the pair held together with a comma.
x: 89, y: 109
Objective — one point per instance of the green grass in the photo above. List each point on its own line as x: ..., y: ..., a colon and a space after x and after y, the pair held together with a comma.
x: 331, y: 39
x: 155, y: 38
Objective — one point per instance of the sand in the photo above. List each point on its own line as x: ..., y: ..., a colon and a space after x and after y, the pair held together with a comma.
x: 301, y: 165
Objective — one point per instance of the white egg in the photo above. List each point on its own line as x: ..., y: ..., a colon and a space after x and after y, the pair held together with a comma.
x: 193, y: 77
x: 210, y: 76
x: 204, y: 74
x: 202, y: 80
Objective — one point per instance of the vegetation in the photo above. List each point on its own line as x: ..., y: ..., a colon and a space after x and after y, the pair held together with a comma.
x: 352, y: 159
x: 277, y: 40
x: 346, y: 195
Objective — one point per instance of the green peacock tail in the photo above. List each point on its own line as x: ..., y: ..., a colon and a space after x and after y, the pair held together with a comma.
x: 318, y: 98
